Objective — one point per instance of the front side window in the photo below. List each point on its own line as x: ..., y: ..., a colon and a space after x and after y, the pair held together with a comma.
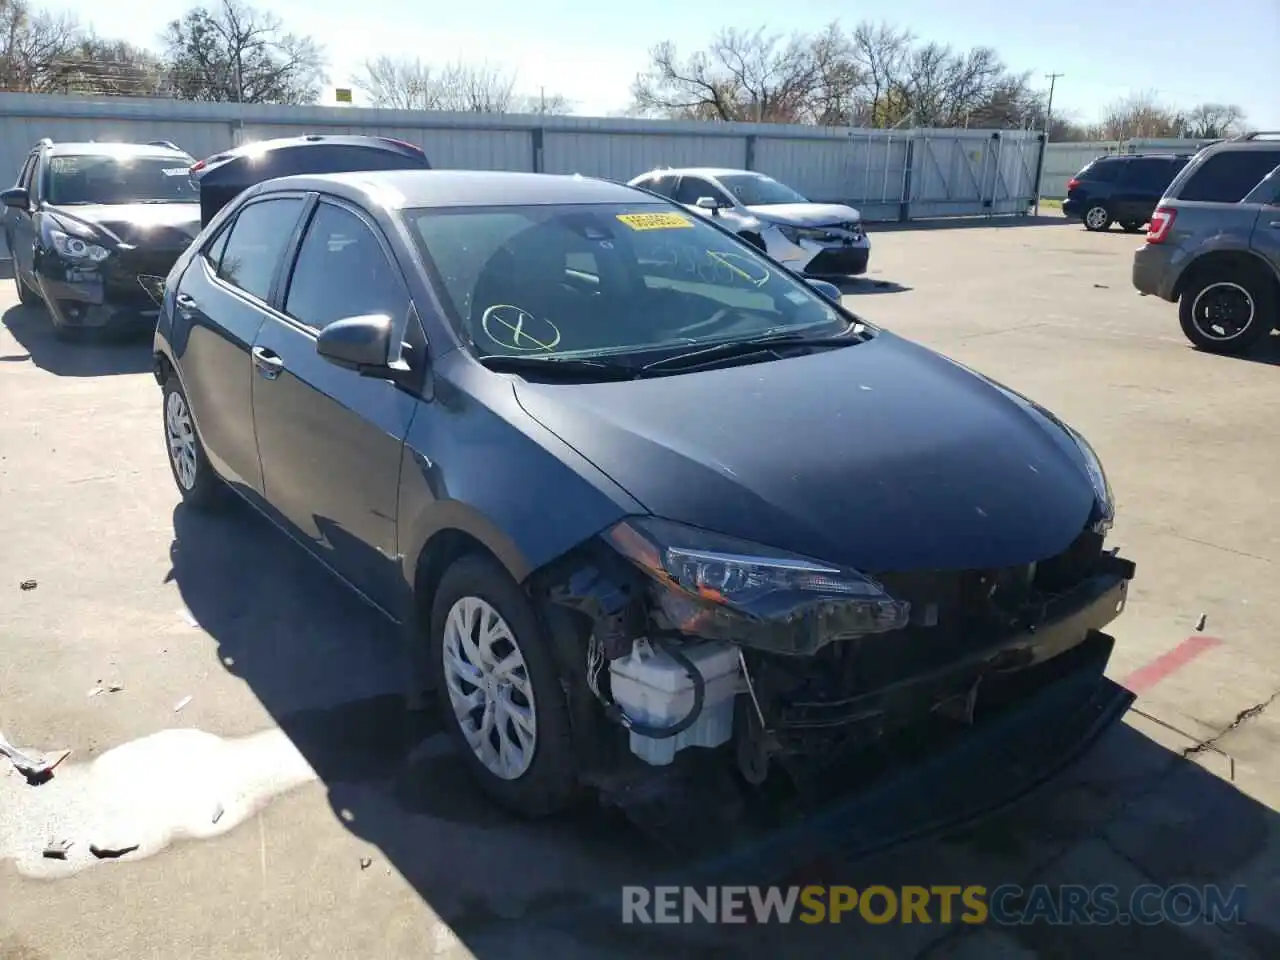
x: 755, y: 190
x: 256, y: 242
x: 605, y: 279
x: 111, y: 179
x: 342, y: 272
x: 692, y: 189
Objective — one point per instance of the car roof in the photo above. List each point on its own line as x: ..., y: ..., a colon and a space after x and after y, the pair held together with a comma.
x: 464, y: 188
x: 90, y: 148
x: 704, y: 171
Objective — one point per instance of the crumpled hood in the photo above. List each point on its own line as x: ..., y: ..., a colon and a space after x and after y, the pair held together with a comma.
x: 152, y: 225
x: 807, y: 214
x: 882, y: 456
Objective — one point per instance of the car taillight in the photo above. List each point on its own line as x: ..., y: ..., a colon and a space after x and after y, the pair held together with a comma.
x: 1072, y: 184
x: 1161, y: 223
x: 197, y: 166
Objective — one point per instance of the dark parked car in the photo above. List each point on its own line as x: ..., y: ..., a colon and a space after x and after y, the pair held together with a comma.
x: 224, y: 175
x: 1214, y: 245
x: 93, y: 229
x: 622, y: 513
x: 1123, y: 190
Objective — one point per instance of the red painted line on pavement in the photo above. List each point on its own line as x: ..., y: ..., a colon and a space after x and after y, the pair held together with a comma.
x: 1144, y: 678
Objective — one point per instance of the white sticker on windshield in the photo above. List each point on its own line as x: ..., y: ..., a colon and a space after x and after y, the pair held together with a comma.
x: 798, y: 298
x: 175, y: 171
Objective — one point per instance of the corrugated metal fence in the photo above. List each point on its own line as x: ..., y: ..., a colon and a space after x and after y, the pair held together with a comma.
x: 889, y: 174
x: 1062, y: 161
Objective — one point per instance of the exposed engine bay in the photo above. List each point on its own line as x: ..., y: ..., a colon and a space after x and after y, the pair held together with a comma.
x: 673, y: 657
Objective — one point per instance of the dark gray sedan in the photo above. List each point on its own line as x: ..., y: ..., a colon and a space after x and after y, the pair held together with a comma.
x: 633, y: 489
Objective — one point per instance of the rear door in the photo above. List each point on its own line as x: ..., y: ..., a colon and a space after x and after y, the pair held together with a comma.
x: 221, y: 302
x: 1140, y: 187
x: 330, y: 439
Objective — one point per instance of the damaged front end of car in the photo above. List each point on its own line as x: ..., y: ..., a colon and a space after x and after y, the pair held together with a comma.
x: 674, y: 639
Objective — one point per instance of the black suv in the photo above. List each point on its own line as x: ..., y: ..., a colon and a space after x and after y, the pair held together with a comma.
x: 1123, y: 190
x: 93, y: 229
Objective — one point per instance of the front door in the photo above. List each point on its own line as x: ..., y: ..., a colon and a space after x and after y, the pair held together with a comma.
x: 19, y: 226
x: 329, y: 439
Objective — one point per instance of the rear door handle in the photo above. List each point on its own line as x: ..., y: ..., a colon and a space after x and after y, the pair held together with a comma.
x: 268, y: 364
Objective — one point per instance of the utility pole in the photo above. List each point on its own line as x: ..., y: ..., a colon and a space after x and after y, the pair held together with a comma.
x: 1048, y: 125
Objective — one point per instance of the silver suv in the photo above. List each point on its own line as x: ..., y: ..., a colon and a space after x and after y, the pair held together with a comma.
x: 1213, y: 245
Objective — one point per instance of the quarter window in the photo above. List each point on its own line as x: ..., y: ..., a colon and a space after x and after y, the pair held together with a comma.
x: 342, y: 272
x: 256, y: 243
x: 1228, y: 177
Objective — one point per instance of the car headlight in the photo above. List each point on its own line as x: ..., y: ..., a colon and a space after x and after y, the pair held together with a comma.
x: 796, y: 234
x: 1101, y: 485
x: 716, y: 587
x: 76, y: 248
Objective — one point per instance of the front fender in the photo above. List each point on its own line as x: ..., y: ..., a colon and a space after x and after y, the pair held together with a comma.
x: 475, y: 463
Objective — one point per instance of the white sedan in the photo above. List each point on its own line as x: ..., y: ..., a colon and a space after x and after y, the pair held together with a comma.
x: 814, y: 239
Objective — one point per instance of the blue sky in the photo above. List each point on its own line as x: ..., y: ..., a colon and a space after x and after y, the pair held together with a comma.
x: 1187, y: 51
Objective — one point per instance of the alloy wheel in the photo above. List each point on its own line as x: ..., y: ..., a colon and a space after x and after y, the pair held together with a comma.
x: 1096, y: 218
x: 182, y: 439
x: 489, y: 688
x: 1223, y: 311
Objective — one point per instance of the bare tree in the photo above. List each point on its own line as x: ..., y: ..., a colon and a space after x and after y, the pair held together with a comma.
x: 881, y: 53
x: 742, y: 75
x: 99, y: 67
x: 412, y: 84
x: 32, y: 45
x: 1139, y: 115
x: 231, y: 52
x: 1210, y: 121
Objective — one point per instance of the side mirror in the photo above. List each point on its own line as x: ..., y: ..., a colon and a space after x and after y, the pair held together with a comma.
x: 708, y: 203
x: 362, y: 344
x: 16, y: 197
x: 828, y: 290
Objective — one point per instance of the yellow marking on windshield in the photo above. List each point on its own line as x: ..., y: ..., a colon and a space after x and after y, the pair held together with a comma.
x: 656, y: 221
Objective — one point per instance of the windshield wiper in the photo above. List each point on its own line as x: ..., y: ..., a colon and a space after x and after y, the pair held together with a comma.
x: 732, y: 349
x: 560, y: 366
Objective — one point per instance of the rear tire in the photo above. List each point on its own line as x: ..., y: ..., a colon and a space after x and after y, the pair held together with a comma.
x: 1097, y: 218
x: 1228, y: 310
x: 197, y: 483
x: 535, y: 774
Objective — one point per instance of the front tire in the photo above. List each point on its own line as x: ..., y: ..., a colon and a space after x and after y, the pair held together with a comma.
x: 499, y: 690
x: 197, y: 483
x: 1227, y: 310
x: 1097, y: 218
x: 26, y: 296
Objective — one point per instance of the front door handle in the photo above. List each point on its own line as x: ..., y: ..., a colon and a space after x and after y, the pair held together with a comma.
x: 1276, y: 224
x: 267, y: 363
x: 186, y: 303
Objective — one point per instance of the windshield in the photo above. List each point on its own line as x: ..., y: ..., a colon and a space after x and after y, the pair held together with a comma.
x: 757, y: 191
x: 109, y: 179
x: 604, y: 279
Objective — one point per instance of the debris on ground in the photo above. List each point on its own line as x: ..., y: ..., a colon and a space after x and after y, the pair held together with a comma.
x: 111, y: 853
x: 37, y: 768
x: 27, y: 585
x: 1101, y: 286
x: 181, y: 703
x: 57, y: 849
x: 366, y: 862
x: 109, y: 688
x: 188, y: 617
x: 1204, y: 618
x: 218, y: 811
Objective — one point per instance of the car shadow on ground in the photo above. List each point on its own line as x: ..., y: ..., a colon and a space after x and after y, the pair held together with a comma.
x: 1265, y: 351
x: 95, y: 355
x: 866, y: 286
x: 968, y: 223
x: 329, y: 670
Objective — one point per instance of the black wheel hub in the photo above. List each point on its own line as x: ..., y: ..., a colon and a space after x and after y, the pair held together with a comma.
x: 1224, y: 311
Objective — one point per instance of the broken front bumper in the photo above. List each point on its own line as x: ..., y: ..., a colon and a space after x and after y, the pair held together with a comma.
x: 1066, y: 622
x: 123, y: 291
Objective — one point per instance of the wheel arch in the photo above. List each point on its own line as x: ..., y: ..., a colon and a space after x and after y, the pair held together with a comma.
x: 1219, y: 260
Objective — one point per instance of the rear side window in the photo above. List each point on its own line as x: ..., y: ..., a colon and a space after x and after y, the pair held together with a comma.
x: 1151, y: 175
x: 257, y: 241
x: 1229, y: 176
x: 343, y: 272
x: 1102, y: 171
